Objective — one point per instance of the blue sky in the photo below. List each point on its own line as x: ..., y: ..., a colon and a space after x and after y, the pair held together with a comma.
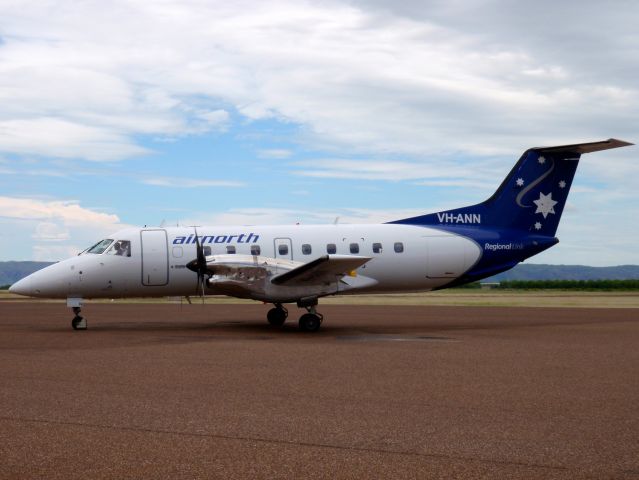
x: 209, y: 112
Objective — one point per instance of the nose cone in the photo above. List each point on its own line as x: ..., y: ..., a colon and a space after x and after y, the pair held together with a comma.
x: 46, y: 283
x: 22, y: 287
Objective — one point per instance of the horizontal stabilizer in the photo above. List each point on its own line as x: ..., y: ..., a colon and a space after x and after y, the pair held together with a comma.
x: 323, y: 269
x: 585, y: 147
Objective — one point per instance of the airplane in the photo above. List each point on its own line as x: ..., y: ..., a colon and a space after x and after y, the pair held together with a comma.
x: 300, y: 264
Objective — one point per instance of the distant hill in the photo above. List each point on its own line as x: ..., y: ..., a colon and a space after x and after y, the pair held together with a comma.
x: 525, y: 271
x: 11, y: 272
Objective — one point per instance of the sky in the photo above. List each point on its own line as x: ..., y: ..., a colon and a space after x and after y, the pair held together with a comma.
x: 203, y: 112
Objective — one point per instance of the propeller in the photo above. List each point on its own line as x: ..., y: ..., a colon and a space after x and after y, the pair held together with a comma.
x: 198, y: 266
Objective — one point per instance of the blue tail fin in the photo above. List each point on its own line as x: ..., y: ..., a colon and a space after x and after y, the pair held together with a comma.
x: 531, y: 198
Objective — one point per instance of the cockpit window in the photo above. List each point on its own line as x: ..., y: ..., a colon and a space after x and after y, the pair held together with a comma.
x: 101, y: 246
x: 121, y: 248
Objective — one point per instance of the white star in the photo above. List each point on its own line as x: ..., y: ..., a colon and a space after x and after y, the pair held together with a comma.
x: 545, y: 204
x: 538, y: 226
x: 520, y: 182
x: 541, y: 160
x: 562, y: 184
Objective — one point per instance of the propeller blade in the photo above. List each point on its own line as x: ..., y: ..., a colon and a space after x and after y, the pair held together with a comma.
x: 202, y: 293
x: 198, y: 265
x: 201, y: 259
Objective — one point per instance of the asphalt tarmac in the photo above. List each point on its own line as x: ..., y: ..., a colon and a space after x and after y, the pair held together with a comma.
x: 164, y: 391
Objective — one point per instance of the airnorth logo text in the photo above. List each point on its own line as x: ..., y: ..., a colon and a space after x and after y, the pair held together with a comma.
x: 459, y: 217
x: 241, y: 238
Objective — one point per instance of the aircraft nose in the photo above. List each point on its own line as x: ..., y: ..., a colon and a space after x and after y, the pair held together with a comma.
x: 22, y: 287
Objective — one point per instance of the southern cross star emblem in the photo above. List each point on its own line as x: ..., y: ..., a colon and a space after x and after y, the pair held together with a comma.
x: 562, y: 184
x: 538, y: 226
x: 520, y: 182
x: 545, y: 204
x: 541, y: 160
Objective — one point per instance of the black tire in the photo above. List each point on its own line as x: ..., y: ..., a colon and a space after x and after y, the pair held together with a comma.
x: 76, y: 321
x: 276, y: 316
x: 310, y: 322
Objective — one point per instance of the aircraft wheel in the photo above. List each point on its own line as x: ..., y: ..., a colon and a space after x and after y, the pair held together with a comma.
x: 310, y: 322
x: 276, y: 316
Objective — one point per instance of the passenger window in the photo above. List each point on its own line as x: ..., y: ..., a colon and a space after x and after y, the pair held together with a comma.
x: 283, y: 249
x: 121, y: 248
x: 177, y: 252
x: 306, y: 249
x: 399, y: 247
x: 354, y: 247
x: 206, y: 250
x: 255, y: 250
x: 377, y: 248
x: 331, y: 248
x: 230, y: 249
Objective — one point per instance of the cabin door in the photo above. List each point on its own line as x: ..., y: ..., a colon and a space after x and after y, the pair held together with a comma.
x: 155, y: 258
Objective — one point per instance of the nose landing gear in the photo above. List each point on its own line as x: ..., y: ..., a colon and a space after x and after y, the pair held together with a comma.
x: 78, y: 322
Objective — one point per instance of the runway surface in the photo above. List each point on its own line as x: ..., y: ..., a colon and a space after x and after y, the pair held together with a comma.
x: 163, y: 391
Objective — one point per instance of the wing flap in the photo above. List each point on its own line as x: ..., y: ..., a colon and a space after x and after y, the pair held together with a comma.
x: 249, y: 264
x: 328, y: 268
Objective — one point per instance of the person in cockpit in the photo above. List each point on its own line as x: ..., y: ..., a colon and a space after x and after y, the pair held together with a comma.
x: 122, y: 248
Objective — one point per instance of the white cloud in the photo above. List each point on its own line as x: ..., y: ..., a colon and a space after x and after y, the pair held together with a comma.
x: 56, y: 229
x: 177, y: 182
x: 214, y: 118
x: 63, y: 138
x: 50, y: 232
x: 68, y: 211
x: 392, y: 78
x: 283, y: 216
x: 274, y: 153
x: 481, y: 176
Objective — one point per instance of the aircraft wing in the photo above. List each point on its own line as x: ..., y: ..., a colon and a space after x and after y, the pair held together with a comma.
x: 325, y: 269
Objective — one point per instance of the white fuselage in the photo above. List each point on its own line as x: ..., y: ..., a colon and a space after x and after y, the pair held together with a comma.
x: 403, y: 258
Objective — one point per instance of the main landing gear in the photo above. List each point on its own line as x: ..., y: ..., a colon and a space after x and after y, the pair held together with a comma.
x: 277, y: 316
x: 309, y: 322
x: 78, y: 322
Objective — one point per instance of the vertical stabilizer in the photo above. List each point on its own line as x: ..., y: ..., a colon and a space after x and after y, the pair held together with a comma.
x: 531, y: 198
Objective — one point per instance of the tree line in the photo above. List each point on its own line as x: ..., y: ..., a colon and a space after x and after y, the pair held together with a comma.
x: 571, y: 284
x: 561, y: 285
